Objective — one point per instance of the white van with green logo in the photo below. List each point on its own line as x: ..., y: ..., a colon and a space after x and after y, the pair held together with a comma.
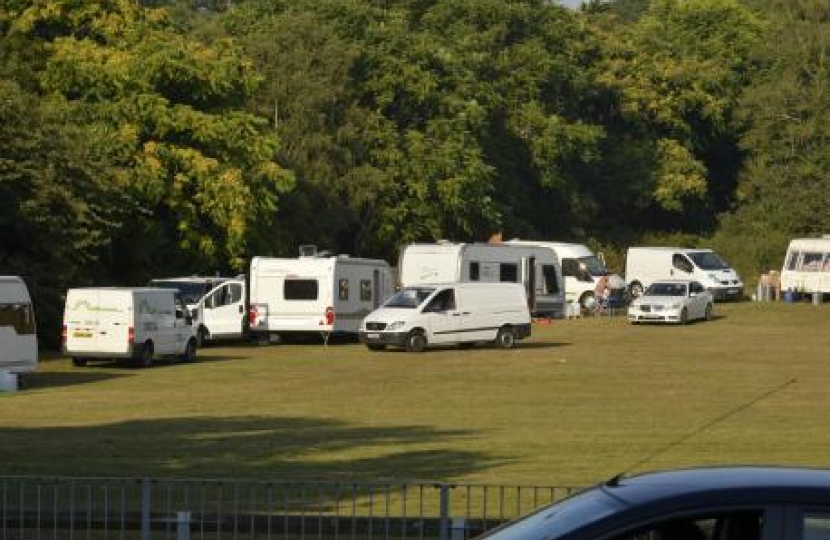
x: 126, y: 323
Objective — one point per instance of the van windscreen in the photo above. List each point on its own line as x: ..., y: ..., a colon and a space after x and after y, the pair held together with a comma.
x: 191, y: 291
x: 409, y: 298
x: 707, y: 260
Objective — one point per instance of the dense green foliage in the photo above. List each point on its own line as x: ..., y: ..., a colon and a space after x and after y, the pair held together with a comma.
x: 184, y: 136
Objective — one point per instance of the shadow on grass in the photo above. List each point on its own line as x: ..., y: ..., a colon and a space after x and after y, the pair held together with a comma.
x: 240, y: 447
x: 46, y: 379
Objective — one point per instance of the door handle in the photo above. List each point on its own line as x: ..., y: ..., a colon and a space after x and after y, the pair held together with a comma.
x: 241, y: 309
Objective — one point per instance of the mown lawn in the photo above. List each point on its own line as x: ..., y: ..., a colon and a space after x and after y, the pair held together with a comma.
x: 580, y: 401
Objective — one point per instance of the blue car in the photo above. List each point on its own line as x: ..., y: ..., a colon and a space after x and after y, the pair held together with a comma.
x: 724, y: 503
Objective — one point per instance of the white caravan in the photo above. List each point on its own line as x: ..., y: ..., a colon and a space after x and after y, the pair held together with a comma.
x: 18, y: 337
x: 807, y: 266
x: 319, y: 294
x: 581, y: 268
x: 126, y: 323
x: 217, y: 304
x: 645, y: 265
x: 449, y: 313
x: 536, y: 268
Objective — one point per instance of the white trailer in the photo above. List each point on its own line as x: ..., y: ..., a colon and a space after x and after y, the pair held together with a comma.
x: 217, y: 304
x: 645, y: 265
x: 18, y: 336
x: 126, y: 323
x: 315, y: 294
x: 536, y: 268
x: 807, y: 266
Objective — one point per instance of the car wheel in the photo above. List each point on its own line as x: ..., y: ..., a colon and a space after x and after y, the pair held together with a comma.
x: 202, y: 336
x: 635, y: 289
x: 684, y: 316
x: 506, y: 338
x: 189, y: 353
x: 416, y: 342
x: 708, y: 314
x: 79, y: 362
x: 375, y: 346
x: 146, y: 357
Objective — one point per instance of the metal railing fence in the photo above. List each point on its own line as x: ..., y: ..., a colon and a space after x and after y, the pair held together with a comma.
x: 35, y: 508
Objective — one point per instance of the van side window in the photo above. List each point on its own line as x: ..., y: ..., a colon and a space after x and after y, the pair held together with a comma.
x: 18, y: 316
x: 474, y: 271
x: 570, y: 267
x: 550, y: 283
x: 343, y: 289
x: 234, y: 293
x: 509, y: 272
x: 792, y: 260
x: 443, y: 301
x: 680, y: 262
x: 365, y: 290
x: 811, y: 261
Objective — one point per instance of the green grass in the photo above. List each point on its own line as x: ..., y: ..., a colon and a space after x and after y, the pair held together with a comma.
x: 580, y: 401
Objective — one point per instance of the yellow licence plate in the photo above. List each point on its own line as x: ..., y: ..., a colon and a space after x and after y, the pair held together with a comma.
x: 82, y: 334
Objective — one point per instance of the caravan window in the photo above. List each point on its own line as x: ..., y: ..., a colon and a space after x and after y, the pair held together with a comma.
x: 474, y: 271
x: 343, y: 289
x: 811, y: 261
x: 18, y: 316
x: 551, y: 284
x: 509, y: 273
x: 365, y: 290
x: 300, y: 289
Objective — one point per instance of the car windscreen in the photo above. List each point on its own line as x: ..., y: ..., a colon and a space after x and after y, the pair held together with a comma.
x: 191, y: 291
x: 593, y: 265
x: 666, y: 289
x: 559, y: 519
x: 707, y: 260
x: 409, y: 298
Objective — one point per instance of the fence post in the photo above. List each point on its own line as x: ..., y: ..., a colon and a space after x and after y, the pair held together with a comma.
x: 146, y: 494
x: 444, y: 505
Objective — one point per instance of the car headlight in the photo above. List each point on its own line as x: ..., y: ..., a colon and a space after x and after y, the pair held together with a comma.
x: 397, y: 325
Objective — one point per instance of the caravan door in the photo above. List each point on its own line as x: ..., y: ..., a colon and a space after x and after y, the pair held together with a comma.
x: 224, y: 309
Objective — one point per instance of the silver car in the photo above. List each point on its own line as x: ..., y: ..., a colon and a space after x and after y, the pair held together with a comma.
x: 672, y: 301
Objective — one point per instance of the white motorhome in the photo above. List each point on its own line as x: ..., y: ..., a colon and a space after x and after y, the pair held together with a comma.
x: 536, y: 268
x: 645, y: 265
x: 450, y: 313
x: 217, y: 304
x: 315, y: 293
x: 807, y: 266
x: 18, y: 336
x: 126, y: 323
x: 581, y: 268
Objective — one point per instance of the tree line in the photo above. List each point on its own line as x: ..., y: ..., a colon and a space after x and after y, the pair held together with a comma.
x: 162, y: 137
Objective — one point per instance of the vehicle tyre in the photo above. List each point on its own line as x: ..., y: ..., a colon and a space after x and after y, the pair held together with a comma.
x: 506, y: 338
x: 416, y: 341
x: 708, y: 314
x: 587, y: 302
x: 189, y: 353
x: 79, y: 362
x: 684, y: 316
x: 635, y: 289
x: 146, y: 357
x: 202, y: 336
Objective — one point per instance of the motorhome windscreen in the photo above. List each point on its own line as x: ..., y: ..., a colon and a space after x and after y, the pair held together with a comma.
x: 409, y: 298
x: 707, y: 260
x: 300, y: 289
x: 191, y: 291
x: 18, y: 316
x: 593, y: 265
x: 667, y: 289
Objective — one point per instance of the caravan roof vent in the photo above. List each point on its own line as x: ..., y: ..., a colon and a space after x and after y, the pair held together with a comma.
x: 308, y: 250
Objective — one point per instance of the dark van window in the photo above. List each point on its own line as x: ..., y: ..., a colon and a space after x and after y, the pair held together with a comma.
x: 682, y: 263
x: 18, y: 316
x: 551, y: 282
x: 443, y: 301
x: 300, y: 289
x: 474, y: 271
x: 570, y: 267
x: 509, y: 273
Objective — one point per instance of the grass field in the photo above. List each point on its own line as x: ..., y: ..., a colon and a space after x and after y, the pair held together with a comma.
x: 580, y: 401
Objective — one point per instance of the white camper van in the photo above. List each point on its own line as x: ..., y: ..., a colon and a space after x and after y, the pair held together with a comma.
x: 581, y: 268
x: 807, y: 266
x: 645, y: 265
x: 217, y: 304
x: 449, y: 313
x: 536, y: 268
x: 126, y: 323
x: 320, y: 294
x: 18, y: 337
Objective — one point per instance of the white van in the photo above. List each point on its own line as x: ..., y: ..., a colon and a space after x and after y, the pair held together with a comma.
x: 318, y: 294
x: 807, y: 266
x: 450, y: 313
x: 536, y: 268
x: 217, y: 304
x: 645, y: 265
x: 581, y: 268
x: 126, y: 323
x: 18, y: 333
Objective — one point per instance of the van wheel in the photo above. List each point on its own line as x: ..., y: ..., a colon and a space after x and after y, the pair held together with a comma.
x: 375, y: 346
x: 587, y: 302
x: 708, y: 314
x: 416, y: 341
x: 202, y: 336
x: 506, y: 338
x: 146, y: 357
x: 684, y: 316
x: 189, y: 353
x: 635, y: 289
x: 79, y: 362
